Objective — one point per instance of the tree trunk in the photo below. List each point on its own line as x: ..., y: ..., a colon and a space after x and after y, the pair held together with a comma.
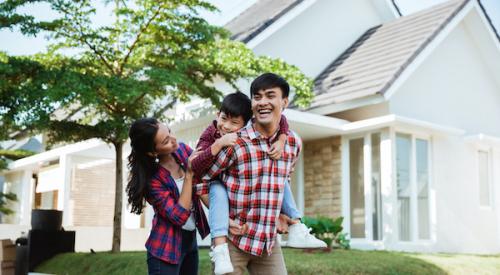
x: 117, y: 219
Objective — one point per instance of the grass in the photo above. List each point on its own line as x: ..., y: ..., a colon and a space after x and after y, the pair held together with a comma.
x: 297, y: 261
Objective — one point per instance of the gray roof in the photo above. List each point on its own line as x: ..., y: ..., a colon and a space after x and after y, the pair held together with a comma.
x: 372, y: 64
x: 258, y: 17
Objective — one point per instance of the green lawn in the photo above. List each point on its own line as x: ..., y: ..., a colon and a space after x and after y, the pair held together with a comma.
x: 297, y: 261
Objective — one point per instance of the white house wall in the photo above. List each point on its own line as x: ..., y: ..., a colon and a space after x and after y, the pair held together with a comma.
x: 452, y: 87
x: 455, y: 87
x: 462, y: 224
x: 317, y: 36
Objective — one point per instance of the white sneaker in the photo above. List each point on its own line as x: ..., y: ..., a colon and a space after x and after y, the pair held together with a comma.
x: 220, y: 257
x: 299, y: 236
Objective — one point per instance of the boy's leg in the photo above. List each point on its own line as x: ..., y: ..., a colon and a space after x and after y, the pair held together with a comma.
x: 288, y: 207
x: 219, y: 226
x: 218, y: 212
x: 299, y: 235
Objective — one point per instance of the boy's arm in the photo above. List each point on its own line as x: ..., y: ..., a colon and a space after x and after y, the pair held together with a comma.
x: 283, y: 126
x: 201, y: 163
x: 223, y: 161
x: 277, y: 147
x: 296, y: 158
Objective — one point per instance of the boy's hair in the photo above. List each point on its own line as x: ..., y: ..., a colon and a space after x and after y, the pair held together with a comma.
x: 268, y: 81
x: 237, y: 104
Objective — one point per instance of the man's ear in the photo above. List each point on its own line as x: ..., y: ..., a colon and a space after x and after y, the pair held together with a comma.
x: 217, y: 114
x: 285, y: 102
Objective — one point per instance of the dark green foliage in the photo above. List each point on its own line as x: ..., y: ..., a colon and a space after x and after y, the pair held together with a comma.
x: 154, y: 55
x: 328, y: 230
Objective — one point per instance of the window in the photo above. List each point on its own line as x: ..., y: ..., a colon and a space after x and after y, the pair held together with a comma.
x: 423, y: 189
x: 357, y: 189
x: 376, y: 187
x: 484, y: 179
x: 403, y: 151
x: 412, y: 180
x: 365, y: 197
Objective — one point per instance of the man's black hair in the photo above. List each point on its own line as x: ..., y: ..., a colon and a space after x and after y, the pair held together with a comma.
x: 237, y: 104
x: 268, y: 81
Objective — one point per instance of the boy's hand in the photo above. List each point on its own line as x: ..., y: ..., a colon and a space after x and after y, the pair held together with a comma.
x: 277, y: 148
x: 227, y: 140
x: 237, y: 229
x: 282, y: 224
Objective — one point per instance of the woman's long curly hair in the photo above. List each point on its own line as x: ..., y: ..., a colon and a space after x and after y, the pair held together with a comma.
x: 141, y: 161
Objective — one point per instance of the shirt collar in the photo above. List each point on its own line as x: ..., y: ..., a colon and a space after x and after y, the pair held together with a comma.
x: 254, y: 134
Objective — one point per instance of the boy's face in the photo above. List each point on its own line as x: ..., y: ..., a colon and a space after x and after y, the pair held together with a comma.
x: 227, y: 124
x: 267, y: 105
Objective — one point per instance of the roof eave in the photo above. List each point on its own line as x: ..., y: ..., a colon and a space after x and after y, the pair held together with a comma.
x: 279, y: 23
x: 347, y: 105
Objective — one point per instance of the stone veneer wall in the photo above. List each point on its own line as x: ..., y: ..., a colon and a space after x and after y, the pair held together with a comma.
x: 322, y: 177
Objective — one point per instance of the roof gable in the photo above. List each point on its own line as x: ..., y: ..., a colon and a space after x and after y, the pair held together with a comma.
x: 372, y: 64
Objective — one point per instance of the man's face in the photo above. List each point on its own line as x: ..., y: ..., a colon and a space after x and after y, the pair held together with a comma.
x: 267, y: 106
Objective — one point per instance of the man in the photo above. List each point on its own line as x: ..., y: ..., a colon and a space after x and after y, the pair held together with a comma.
x: 255, y: 182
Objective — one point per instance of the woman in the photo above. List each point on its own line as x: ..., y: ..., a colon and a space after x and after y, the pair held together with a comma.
x: 160, y: 173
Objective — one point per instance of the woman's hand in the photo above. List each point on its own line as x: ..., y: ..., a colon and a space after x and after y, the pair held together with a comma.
x: 193, y: 155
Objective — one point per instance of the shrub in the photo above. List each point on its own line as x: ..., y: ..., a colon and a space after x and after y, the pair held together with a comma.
x: 328, y: 230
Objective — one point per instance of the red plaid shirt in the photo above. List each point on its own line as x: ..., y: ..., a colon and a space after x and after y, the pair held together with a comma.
x: 165, y: 239
x: 255, y: 185
x: 202, y: 162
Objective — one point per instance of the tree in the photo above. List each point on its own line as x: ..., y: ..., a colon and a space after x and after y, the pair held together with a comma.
x: 154, y: 54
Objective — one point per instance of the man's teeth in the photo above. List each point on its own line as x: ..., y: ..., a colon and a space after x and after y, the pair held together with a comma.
x: 264, y: 111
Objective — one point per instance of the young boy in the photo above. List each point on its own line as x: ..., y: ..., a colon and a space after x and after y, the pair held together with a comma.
x: 235, y: 112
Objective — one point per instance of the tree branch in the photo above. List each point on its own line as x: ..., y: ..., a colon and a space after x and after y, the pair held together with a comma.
x: 136, y: 40
x: 85, y: 41
x: 138, y: 99
x: 108, y: 106
x: 164, y: 108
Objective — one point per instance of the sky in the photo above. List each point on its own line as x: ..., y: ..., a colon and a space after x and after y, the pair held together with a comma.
x: 16, y: 44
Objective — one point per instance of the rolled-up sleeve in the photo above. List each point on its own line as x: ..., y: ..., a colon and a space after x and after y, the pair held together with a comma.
x: 202, y: 162
x: 283, y: 126
x: 165, y: 204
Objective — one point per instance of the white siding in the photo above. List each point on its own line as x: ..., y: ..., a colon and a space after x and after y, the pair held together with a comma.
x: 320, y: 34
x: 462, y: 224
x: 453, y: 87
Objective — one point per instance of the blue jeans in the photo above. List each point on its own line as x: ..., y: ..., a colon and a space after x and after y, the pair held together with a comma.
x: 188, y: 264
x: 218, y: 212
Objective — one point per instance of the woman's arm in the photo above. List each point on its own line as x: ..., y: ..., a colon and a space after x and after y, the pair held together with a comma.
x: 163, y: 201
x: 187, y: 190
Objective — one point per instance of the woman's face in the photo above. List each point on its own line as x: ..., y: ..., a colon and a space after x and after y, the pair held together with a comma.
x: 165, y: 141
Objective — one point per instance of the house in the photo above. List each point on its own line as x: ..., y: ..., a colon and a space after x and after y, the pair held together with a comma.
x: 402, y: 137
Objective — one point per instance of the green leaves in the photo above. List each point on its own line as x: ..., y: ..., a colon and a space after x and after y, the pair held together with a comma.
x: 4, y: 198
x: 328, y: 230
x: 154, y: 54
